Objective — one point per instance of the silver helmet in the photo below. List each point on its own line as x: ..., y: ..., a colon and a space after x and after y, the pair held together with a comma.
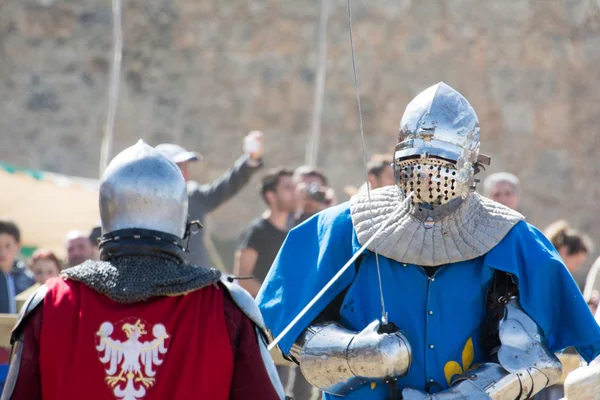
x: 438, y: 147
x: 143, y: 189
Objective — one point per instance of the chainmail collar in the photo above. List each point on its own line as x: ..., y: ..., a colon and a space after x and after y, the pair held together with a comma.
x: 461, y: 231
x: 137, y: 278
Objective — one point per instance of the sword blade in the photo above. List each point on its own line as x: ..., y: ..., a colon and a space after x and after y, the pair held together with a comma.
x: 336, y: 276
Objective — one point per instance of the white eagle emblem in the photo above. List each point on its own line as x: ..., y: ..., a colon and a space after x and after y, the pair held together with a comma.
x: 123, y: 358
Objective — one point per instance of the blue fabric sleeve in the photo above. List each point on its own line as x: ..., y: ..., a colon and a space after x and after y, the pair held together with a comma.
x: 547, y: 291
x: 311, y: 255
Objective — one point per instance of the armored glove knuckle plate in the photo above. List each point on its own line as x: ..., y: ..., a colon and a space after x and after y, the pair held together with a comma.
x: 337, y: 360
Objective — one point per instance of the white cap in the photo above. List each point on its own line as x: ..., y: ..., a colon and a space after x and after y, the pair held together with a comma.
x: 177, y: 154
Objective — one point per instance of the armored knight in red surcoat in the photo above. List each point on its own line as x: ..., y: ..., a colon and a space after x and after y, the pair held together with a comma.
x: 140, y: 323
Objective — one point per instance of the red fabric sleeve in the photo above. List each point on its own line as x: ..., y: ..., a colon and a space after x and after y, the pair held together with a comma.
x: 29, y: 383
x: 250, y: 377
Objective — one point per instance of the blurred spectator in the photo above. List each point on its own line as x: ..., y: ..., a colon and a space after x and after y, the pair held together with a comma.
x: 79, y: 248
x: 591, y: 291
x: 313, y: 193
x: 258, y: 248
x: 503, y: 187
x: 203, y: 199
x: 264, y: 236
x: 15, y: 276
x: 572, y: 245
x: 379, y: 173
x: 593, y: 301
x: 44, y: 265
x: 95, y: 235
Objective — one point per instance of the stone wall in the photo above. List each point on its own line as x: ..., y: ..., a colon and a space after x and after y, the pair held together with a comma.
x: 203, y: 73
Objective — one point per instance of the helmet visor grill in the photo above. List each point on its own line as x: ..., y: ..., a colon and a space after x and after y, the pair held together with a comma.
x: 433, y: 180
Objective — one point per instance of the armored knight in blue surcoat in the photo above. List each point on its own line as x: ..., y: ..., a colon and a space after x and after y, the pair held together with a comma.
x: 478, y: 301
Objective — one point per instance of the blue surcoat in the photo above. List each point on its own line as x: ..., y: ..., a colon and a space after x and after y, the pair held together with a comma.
x: 441, y: 315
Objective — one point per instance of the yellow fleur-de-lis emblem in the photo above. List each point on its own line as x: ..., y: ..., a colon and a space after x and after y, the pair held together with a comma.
x: 453, y: 368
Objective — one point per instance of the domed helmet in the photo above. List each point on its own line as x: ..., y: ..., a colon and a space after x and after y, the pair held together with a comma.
x: 143, y: 212
x: 438, y: 147
x: 143, y: 190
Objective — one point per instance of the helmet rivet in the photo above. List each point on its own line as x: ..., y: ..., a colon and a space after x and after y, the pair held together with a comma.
x: 429, y: 223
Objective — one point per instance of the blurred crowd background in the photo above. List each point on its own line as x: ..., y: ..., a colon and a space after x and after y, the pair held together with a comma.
x: 201, y: 75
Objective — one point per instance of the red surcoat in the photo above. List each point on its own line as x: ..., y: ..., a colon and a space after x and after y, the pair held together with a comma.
x: 166, y: 348
x: 83, y: 345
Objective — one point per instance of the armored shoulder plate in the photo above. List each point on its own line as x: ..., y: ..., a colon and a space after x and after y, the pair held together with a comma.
x: 526, y: 366
x: 32, y: 303
x: 523, y: 344
x: 244, y: 301
x: 16, y: 340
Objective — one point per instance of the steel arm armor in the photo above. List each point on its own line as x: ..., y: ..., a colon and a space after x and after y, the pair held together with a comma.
x: 337, y: 360
x: 526, y: 366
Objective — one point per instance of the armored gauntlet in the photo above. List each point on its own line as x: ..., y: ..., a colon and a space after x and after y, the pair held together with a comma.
x: 337, y: 360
